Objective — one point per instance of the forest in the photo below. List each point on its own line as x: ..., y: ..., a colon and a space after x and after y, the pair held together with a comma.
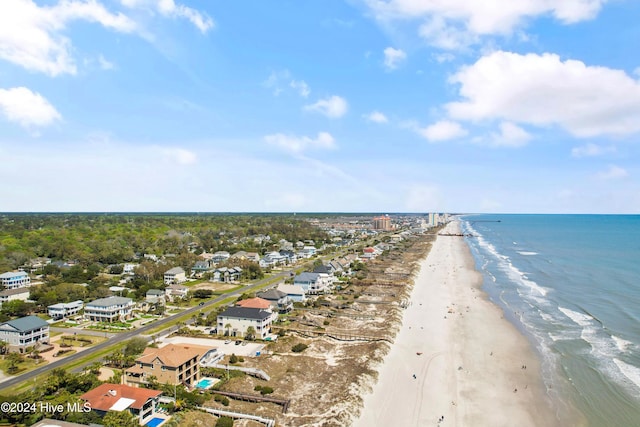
x: 106, y: 239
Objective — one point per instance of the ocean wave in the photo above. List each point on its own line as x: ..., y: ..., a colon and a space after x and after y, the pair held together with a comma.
x: 579, y: 318
x: 622, y: 344
x: 527, y: 253
x: 629, y: 371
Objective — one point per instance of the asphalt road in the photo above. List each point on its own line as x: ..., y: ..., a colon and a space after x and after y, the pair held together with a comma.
x: 7, y: 384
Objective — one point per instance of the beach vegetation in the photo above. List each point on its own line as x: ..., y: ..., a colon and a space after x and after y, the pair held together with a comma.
x: 299, y: 348
x: 224, y: 422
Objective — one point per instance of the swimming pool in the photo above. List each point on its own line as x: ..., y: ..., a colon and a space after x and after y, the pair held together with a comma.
x: 205, y: 383
x: 154, y: 422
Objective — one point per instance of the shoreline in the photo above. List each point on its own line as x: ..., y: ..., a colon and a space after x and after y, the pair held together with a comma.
x: 471, y: 365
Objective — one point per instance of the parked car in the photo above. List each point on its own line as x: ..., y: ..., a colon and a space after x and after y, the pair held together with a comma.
x: 238, y: 342
x: 227, y: 342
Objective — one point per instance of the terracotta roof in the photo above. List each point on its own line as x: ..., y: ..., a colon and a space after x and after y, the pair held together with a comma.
x: 172, y: 355
x: 103, y: 397
x: 254, y: 303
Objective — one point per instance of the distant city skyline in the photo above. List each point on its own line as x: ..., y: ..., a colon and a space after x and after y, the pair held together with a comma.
x: 371, y: 106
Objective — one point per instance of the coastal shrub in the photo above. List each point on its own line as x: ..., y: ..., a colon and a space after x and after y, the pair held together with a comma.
x: 222, y: 399
x: 266, y: 390
x: 233, y: 359
x: 299, y: 348
x: 224, y: 422
x: 281, y: 333
x: 326, y: 323
x: 240, y: 359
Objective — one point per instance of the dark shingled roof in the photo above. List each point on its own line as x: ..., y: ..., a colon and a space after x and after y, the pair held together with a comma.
x: 246, y: 313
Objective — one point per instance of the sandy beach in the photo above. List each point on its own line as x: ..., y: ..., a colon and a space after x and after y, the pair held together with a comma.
x: 472, y: 367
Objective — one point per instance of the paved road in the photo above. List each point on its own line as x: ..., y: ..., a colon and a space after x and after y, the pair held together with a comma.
x: 13, y: 381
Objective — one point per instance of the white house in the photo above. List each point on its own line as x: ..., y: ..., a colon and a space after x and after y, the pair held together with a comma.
x: 142, y: 403
x: 155, y: 296
x: 109, y: 309
x: 15, y: 279
x: 307, y: 252
x: 234, y: 321
x: 129, y: 268
x: 176, y: 275
x: 220, y: 256
x: 14, y: 294
x: 279, y: 300
x: 62, y: 310
x: 176, y: 291
x: 294, y: 292
x: 24, y: 332
x: 312, y: 283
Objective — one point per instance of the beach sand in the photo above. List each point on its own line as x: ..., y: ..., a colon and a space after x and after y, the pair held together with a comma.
x: 468, y: 361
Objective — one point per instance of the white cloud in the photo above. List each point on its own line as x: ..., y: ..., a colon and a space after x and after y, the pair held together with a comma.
x: 180, y: 155
x: 443, y: 130
x: 104, y: 64
x: 393, y: 57
x: 171, y: 9
x: 376, y: 117
x: 613, y: 172
x: 31, y: 36
x: 301, y: 86
x: 333, y: 107
x: 591, y: 150
x: 542, y: 90
x: 510, y: 136
x: 297, y: 144
x: 27, y: 108
x: 453, y: 23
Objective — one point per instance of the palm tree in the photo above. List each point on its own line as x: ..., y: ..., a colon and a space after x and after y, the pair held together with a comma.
x: 251, y: 333
x: 227, y: 327
x: 3, y: 347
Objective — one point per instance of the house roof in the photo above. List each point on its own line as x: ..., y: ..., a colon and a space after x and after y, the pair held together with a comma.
x: 109, y: 301
x: 174, y: 270
x: 78, y: 303
x: 322, y: 269
x: 155, y: 292
x: 12, y: 274
x: 107, y: 396
x: 177, y: 287
x: 245, y: 313
x: 24, y: 324
x: 271, y: 295
x: 291, y: 289
x: 254, y: 303
x: 9, y: 292
x: 172, y: 355
x: 306, y: 277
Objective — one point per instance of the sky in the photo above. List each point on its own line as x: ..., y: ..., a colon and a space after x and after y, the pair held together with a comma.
x: 519, y: 106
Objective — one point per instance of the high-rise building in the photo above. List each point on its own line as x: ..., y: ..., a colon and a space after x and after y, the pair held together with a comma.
x: 382, y: 223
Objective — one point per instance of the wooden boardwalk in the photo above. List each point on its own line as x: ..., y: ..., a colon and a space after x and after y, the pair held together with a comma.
x: 256, y: 398
x: 338, y: 335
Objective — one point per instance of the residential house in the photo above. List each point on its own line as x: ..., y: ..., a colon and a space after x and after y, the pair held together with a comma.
x: 36, y: 264
x: 255, y: 303
x: 63, y: 310
x: 234, y: 321
x: 226, y: 274
x: 24, y: 332
x: 201, y: 267
x: 271, y: 259
x: 279, y: 300
x: 307, y: 252
x: 290, y: 256
x: 253, y: 256
x: 312, y: 283
x: 172, y: 364
x: 155, y: 296
x: 326, y: 274
x: 141, y: 402
x: 7, y: 295
x: 48, y: 422
x: 129, y: 269
x: 294, y: 293
x: 220, y: 256
x: 15, y: 279
x: 239, y: 255
x: 174, y: 292
x: 175, y: 275
x: 151, y: 257
x: 111, y: 309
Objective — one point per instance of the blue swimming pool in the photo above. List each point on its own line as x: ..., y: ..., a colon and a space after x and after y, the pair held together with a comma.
x: 205, y: 383
x: 154, y: 422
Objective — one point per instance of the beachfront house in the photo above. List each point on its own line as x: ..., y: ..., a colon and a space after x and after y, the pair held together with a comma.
x: 312, y: 283
x: 172, y: 364
x: 235, y: 321
x: 64, y: 309
x: 220, y: 256
x: 24, y: 332
x: 7, y: 295
x: 141, y: 402
x: 175, y: 275
x: 294, y: 292
x: 111, y: 309
x: 155, y: 296
x: 15, y: 279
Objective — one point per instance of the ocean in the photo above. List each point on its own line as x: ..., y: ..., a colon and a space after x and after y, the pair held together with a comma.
x: 571, y: 284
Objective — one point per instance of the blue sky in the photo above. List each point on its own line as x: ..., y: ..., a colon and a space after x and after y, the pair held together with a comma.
x: 526, y: 106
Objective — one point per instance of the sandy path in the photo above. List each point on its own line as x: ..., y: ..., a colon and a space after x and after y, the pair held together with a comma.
x: 470, y: 370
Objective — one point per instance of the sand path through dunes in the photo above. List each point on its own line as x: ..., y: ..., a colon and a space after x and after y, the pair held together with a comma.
x: 468, y: 361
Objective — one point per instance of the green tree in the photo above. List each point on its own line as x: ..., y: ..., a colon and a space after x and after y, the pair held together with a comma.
x: 250, y: 334
x: 119, y: 419
x: 224, y: 422
x: 135, y: 346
